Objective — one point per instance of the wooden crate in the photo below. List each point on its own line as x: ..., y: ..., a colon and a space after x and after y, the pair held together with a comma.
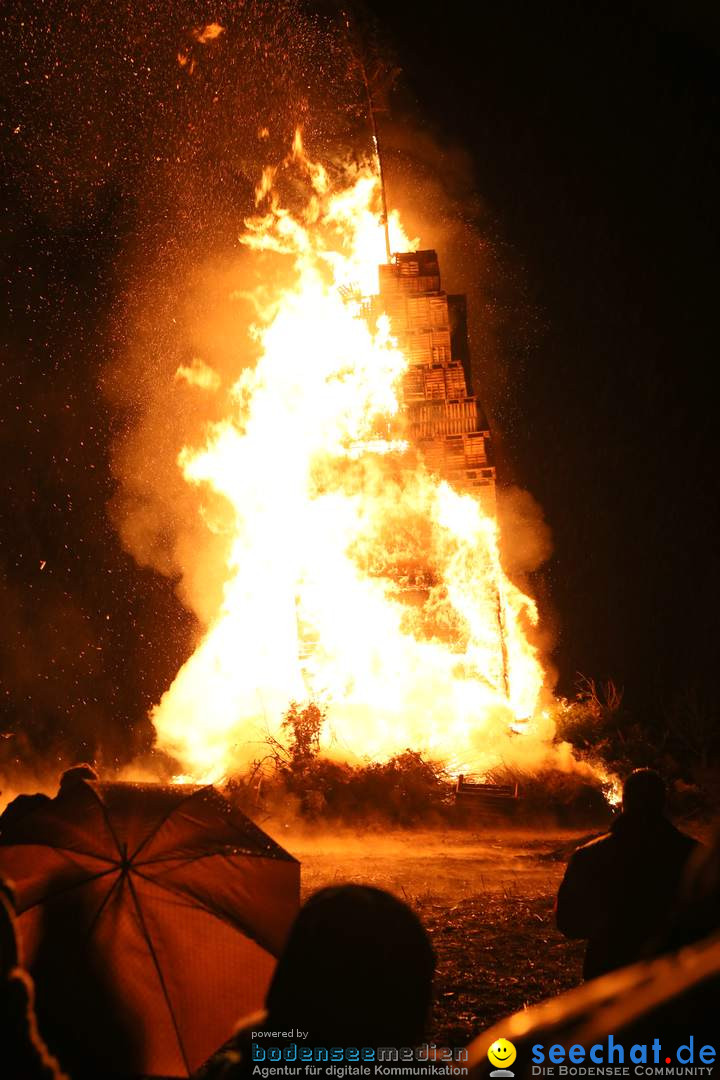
x: 438, y: 311
x: 430, y: 419
x: 475, y: 451
x: 435, y: 382
x: 455, y: 381
x: 463, y: 415
x: 454, y: 452
x: 441, y: 338
x: 395, y: 307
x: 417, y: 346
x: 414, y: 384
x: 418, y: 312
x: 433, y: 452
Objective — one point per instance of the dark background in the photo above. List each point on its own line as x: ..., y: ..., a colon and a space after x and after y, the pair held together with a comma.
x: 593, y: 135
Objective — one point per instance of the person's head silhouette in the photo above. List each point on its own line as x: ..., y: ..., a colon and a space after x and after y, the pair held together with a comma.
x: 358, y: 965
x: 644, y: 795
x: 75, y: 774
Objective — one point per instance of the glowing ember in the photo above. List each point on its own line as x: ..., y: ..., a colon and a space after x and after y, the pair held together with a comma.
x: 357, y: 578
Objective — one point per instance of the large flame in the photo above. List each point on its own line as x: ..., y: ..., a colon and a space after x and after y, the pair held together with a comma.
x: 356, y: 578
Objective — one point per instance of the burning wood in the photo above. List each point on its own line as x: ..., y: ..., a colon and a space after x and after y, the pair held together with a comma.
x: 354, y: 460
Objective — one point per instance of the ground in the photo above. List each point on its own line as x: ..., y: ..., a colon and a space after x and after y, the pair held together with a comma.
x: 485, y: 896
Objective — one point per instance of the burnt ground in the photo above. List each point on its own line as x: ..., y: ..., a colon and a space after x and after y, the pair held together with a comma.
x: 486, y: 898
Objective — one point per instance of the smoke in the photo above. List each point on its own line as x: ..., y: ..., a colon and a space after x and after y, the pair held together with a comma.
x: 181, y: 327
x: 185, y: 345
x: 525, y: 538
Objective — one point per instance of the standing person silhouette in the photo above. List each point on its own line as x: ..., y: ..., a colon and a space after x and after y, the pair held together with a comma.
x: 620, y: 889
x: 23, y: 1053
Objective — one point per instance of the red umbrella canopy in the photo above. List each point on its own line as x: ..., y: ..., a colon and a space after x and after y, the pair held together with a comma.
x: 151, y: 917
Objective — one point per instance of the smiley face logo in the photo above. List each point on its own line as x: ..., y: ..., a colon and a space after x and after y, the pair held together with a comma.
x: 502, y: 1053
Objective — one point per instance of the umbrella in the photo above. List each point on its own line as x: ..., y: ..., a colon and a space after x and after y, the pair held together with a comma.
x: 151, y: 917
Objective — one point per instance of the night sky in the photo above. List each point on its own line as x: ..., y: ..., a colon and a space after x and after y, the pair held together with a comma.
x: 594, y: 135
x: 591, y: 134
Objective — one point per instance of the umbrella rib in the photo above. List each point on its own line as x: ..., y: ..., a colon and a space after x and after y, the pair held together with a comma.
x: 104, y: 811
x: 161, y: 977
x: 153, y: 832
x: 62, y: 847
x: 175, y: 858
x: 218, y: 914
x: 208, y: 854
x: 68, y: 888
x: 103, y: 903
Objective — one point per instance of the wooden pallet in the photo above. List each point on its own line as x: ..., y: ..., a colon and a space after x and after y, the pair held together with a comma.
x: 484, y: 794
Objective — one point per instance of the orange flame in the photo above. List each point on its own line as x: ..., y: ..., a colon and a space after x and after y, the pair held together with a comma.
x: 356, y: 577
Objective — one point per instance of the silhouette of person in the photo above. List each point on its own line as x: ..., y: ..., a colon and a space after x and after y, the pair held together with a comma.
x: 673, y: 997
x: 81, y: 1009
x: 19, y: 807
x: 697, y: 915
x: 23, y: 1054
x: 619, y: 890
x: 73, y: 776
x: 22, y: 805
x: 356, y: 971
x: 79, y: 1004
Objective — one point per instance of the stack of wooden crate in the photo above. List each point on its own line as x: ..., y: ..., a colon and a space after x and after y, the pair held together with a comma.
x: 442, y: 414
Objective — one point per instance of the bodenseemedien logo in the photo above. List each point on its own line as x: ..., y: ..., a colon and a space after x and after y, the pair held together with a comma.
x: 501, y: 1054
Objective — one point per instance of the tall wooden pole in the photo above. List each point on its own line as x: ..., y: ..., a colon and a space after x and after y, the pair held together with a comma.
x: 376, y: 141
x: 355, y: 37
